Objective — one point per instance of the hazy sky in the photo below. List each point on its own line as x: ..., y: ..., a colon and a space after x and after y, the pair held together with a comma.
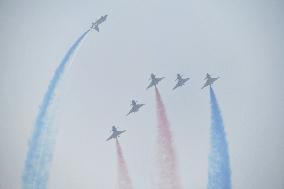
x: 240, y: 41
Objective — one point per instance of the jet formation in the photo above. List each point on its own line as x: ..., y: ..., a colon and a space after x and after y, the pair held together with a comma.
x: 154, y: 81
x: 95, y: 25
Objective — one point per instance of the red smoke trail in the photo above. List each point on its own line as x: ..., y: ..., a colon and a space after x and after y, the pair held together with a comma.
x: 124, y: 181
x: 168, y: 176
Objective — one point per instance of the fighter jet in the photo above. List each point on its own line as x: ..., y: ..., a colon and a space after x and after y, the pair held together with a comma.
x: 135, y: 107
x: 181, y: 81
x: 115, y: 133
x: 154, y: 81
x: 95, y: 25
x: 210, y: 80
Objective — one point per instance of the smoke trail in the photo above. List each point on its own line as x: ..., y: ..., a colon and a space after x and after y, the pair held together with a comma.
x: 39, y: 156
x: 124, y: 181
x: 219, y: 173
x: 168, y: 176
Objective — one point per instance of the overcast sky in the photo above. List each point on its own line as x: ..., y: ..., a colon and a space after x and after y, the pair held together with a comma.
x: 240, y: 41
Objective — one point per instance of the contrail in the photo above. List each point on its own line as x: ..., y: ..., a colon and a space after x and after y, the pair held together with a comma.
x: 168, y: 176
x: 124, y: 181
x: 40, y: 149
x: 219, y: 173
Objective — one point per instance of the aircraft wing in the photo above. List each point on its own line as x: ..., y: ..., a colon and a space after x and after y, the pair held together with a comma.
x: 177, y: 85
x: 160, y: 79
x: 150, y: 85
x: 140, y: 105
x: 206, y: 84
x: 111, y: 136
x: 130, y: 111
x: 119, y: 132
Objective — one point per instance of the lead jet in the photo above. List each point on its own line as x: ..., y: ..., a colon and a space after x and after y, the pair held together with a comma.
x: 135, y: 107
x: 115, y: 133
x: 181, y: 81
x: 210, y: 80
x: 154, y: 81
x: 95, y: 25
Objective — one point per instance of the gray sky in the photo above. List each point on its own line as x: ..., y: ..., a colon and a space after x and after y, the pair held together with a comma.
x: 240, y: 41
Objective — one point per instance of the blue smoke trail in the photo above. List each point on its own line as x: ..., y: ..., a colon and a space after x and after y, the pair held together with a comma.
x: 219, y: 173
x: 39, y: 156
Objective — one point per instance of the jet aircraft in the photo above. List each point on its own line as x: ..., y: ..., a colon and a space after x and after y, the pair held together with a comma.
x: 95, y: 25
x: 154, y: 81
x: 181, y: 81
x: 210, y: 80
x: 135, y: 107
x: 115, y: 133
